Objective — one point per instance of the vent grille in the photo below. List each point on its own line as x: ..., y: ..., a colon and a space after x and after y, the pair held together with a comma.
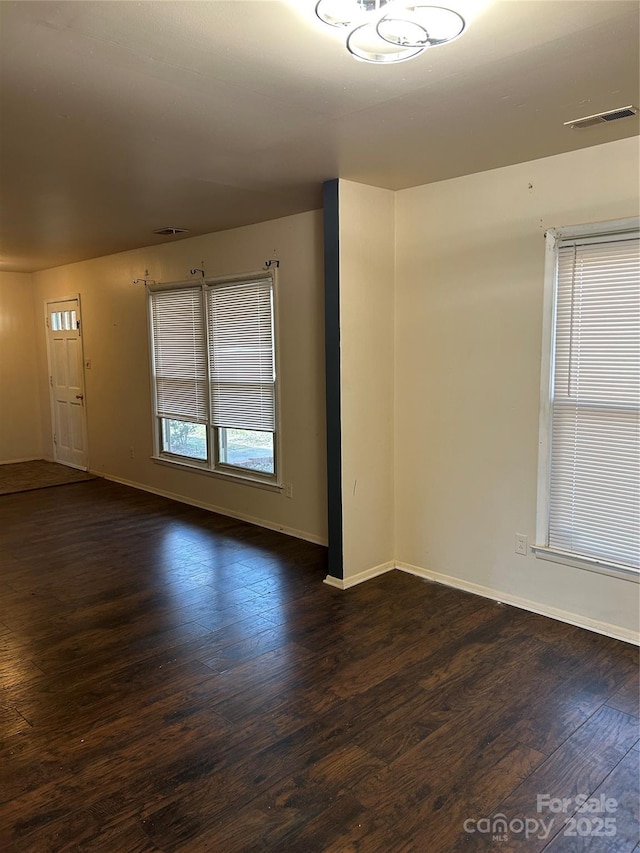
x: 169, y: 231
x: 600, y: 118
x: 626, y: 112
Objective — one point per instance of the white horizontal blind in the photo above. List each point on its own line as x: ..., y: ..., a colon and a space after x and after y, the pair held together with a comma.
x: 179, y: 349
x: 241, y: 355
x: 594, y: 507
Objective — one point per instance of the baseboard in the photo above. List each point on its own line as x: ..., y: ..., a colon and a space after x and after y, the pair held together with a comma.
x: 25, y: 459
x: 250, y: 519
x: 614, y: 631
x: 345, y: 583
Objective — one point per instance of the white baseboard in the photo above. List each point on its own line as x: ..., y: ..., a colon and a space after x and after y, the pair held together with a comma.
x: 250, y: 519
x: 25, y: 459
x: 614, y: 631
x: 345, y: 583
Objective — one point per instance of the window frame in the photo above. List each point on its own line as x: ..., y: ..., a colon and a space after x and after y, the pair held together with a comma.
x: 212, y: 466
x: 598, y: 231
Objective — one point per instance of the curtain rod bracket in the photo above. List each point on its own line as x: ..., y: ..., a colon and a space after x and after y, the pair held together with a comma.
x: 195, y: 270
x: 270, y: 263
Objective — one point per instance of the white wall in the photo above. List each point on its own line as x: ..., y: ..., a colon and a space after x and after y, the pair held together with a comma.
x: 366, y: 347
x: 469, y: 287
x: 118, y: 391
x: 20, y: 429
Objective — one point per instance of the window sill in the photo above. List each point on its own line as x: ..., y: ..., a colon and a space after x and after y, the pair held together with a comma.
x: 601, y: 567
x: 220, y: 475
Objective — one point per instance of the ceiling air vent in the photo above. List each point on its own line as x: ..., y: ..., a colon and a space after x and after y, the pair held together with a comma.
x: 599, y: 118
x: 169, y: 231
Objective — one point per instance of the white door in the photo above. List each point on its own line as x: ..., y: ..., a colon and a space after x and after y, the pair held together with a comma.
x: 67, y: 383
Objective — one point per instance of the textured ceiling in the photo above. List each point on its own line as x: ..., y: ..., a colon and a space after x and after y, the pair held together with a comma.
x: 120, y: 117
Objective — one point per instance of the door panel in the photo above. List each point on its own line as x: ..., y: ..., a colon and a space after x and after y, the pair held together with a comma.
x: 74, y: 365
x: 62, y: 439
x: 76, y: 423
x: 59, y: 362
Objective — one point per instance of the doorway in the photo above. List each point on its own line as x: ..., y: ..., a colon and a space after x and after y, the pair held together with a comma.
x: 66, y: 381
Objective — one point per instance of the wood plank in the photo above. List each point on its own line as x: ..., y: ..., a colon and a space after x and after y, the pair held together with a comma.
x: 616, y: 799
x: 627, y: 698
x: 273, y: 819
x: 577, y: 768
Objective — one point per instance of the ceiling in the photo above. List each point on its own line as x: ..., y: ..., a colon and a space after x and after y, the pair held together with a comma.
x: 118, y: 118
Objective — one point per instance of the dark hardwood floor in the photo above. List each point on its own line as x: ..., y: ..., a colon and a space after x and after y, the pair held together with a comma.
x: 173, y: 680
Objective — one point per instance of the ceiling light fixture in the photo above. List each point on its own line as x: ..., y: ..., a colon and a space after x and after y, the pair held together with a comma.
x: 385, y: 31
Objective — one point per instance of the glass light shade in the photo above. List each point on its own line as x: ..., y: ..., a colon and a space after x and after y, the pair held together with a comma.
x: 337, y: 13
x: 341, y: 13
x: 420, y: 26
x: 365, y: 43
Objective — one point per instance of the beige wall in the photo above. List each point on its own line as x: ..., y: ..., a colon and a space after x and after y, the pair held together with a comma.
x: 469, y: 286
x: 20, y: 435
x: 114, y: 313
x: 366, y: 347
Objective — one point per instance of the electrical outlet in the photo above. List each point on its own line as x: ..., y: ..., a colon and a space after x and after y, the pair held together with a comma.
x: 288, y: 490
x: 522, y: 544
x: 132, y: 453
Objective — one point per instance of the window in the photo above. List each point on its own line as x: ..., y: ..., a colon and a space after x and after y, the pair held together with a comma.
x: 589, y: 469
x: 213, y: 357
x: 64, y: 321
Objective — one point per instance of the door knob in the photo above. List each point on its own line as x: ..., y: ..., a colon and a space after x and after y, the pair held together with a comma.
x: 79, y: 396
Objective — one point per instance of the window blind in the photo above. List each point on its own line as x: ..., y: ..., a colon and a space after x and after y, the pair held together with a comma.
x: 594, y: 489
x: 179, y: 349
x: 241, y: 355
